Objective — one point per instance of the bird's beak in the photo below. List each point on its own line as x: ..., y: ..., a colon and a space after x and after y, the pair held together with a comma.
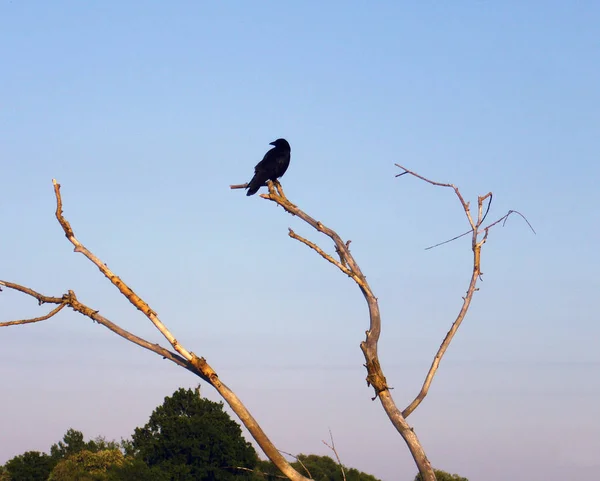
x: 272, y: 143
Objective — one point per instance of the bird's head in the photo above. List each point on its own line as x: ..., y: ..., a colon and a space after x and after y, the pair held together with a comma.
x: 281, y: 143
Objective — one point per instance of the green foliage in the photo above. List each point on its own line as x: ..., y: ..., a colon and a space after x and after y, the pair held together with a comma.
x: 33, y: 466
x: 193, y: 439
x: 321, y: 468
x: 30, y: 466
x: 266, y: 470
x: 127, y: 447
x: 87, y: 465
x: 104, y: 465
x: 443, y: 476
x: 187, y: 438
x: 134, y: 469
x: 101, y: 444
x: 73, y: 443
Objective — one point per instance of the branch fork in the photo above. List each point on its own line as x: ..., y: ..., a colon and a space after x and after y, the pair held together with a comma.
x: 197, y: 365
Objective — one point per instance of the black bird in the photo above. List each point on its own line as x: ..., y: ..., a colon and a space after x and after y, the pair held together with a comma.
x: 271, y: 167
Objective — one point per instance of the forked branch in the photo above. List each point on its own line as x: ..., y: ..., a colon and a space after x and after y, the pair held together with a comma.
x: 54, y: 311
x: 477, y: 242
x: 350, y: 267
x: 133, y: 298
x: 70, y: 299
x: 182, y: 357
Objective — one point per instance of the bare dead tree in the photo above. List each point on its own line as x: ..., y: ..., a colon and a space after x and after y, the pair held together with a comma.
x: 345, y: 262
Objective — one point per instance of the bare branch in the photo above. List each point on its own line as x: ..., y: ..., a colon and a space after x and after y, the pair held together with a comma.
x: 476, y: 246
x: 491, y: 196
x: 239, y: 186
x: 137, y: 301
x: 340, y: 246
x: 184, y: 358
x: 70, y: 299
x: 320, y: 251
x: 35, y: 319
x: 199, y: 364
x: 446, y: 342
x: 375, y: 376
x: 504, y: 218
x: 449, y: 240
x: 260, y: 473
x: 332, y: 447
x: 297, y: 458
x: 42, y: 299
x: 475, y: 275
x: 441, y: 184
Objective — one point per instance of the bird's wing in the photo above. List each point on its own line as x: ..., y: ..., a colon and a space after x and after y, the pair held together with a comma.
x: 264, y: 163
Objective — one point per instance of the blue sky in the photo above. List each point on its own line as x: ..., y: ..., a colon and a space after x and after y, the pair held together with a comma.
x: 145, y: 112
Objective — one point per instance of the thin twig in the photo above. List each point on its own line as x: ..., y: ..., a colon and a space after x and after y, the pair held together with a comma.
x: 504, y: 218
x: 449, y: 240
x: 70, y: 299
x: 441, y: 184
x: 332, y: 447
x: 321, y: 252
x: 340, y: 246
x: 41, y: 298
x: 35, y: 319
x: 260, y: 473
x: 491, y: 196
x: 297, y: 458
x: 239, y: 186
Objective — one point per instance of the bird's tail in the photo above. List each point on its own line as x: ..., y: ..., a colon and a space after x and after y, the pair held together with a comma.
x: 256, y: 183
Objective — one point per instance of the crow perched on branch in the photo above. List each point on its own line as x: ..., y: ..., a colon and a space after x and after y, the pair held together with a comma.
x: 271, y: 167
